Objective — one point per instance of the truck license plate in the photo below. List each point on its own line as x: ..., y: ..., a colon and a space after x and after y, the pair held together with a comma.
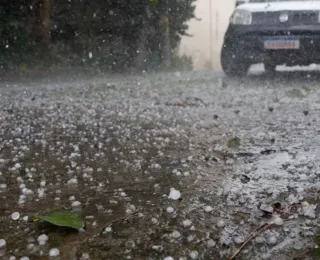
x: 281, y: 43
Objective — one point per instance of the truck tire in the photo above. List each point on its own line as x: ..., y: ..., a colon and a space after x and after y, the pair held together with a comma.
x: 232, y: 64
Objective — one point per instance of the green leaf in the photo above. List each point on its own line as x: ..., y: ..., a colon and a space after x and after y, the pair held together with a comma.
x: 234, y: 142
x: 154, y: 2
x: 63, y: 220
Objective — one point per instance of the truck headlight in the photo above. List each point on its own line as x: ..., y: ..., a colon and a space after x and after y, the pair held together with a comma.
x: 241, y: 17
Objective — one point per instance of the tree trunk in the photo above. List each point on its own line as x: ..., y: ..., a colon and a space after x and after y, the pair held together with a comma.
x: 41, y: 22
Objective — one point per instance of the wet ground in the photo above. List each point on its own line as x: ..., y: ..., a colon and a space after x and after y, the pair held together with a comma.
x: 181, y: 165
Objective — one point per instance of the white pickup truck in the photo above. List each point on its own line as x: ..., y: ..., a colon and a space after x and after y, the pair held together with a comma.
x: 273, y: 32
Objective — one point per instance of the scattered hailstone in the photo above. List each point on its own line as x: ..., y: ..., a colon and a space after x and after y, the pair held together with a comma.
x: 187, y: 223
x: 129, y: 211
x: 278, y: 221
x: 175, y: 234
x: 272, y: 240
x: 170, y: 210
x: 108, y: 230
x: 259, y: 240
x: 17, y: 166
x: 3, y: 186
x: 308, y: 210
x: 168, y: 258
x: 154, y: 221
x: 42, y: 239
x: 211, y: 243
x: 194, y: 255
x: 174, y: 194
x: 54, y: 252
x: 221, y: 224
x: 76, y: 204
x: 208, y: 209
x: 238, y: 240
x: 24, y: 258
x: 3, y: 243
x: 15, y: 215
x: 73, y: 181
x: 90, y: 55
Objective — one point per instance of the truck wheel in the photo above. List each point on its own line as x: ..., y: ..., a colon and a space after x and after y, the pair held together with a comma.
x: 232, y: 64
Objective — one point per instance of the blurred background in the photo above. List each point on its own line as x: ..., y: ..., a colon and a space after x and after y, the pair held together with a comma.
x: 204, y: 47
x: 115, y: 35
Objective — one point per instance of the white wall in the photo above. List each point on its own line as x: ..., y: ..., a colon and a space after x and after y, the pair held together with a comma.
x: 198, y: 46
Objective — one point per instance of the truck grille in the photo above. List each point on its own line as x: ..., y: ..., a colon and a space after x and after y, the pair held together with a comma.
x: 295, y: 18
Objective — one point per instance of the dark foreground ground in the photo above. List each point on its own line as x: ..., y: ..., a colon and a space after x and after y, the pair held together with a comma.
x: 236, y: 155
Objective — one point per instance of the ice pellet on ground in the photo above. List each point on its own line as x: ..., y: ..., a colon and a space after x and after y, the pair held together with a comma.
x: 24, y: 258
x: 175, y: 234
x: 170, y: 210
x: 54, y: 252
x: 76, y: 204
x: 278, y: 221
x: 2, y: 243
x: 42, y: 239
x: 108, y: 229
x: 238, y: 240
x: 194, y: 255
x: 168, y: 258
x: 174, y: 194
x: 208, y: 209
x: 308, y: 210
x: 15, y: 215
x: 187, y: 223
x: 259, y: 240
x: 271, y: 240
x: 221, y: 224
x: 211, y: 243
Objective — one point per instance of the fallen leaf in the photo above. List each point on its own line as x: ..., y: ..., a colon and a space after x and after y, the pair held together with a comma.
x: 234, y: 142
x: 62, y: 220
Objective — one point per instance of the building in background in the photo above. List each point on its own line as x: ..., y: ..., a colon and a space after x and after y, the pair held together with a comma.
x: 213, y: 24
